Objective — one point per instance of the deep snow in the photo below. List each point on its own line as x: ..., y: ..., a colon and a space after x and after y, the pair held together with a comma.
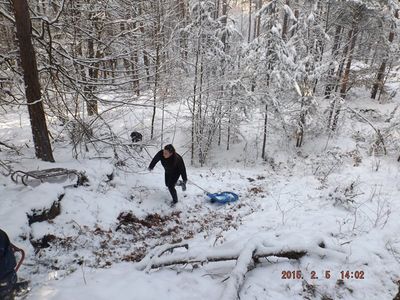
x: 331, y: 191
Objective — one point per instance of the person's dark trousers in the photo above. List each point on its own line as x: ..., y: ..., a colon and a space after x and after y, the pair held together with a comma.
x: 170, y: 182
x: 7, y: 286
x: 174, y: 195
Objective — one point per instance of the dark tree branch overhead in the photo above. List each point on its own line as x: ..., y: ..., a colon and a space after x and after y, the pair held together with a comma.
x: 226, y: 58
x: 12, y: 147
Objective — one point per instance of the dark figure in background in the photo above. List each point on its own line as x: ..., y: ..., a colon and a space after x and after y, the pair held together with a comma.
x: 8, y: 276
x: 174, y: 167
x: 136, y: 137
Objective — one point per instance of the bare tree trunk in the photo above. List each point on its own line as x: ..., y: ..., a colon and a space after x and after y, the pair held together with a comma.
x: 301, y: 124
x: 381, y: 71
x: 216, y: 12
x: 196, y: 71
x: 379, y: 79
x: 348, y: 50
x: 157, y: 36
x: 328, y: 12
x: 135, y: 64
x: 135, y: 73
x: 31, y: 79
x: 91, y: 103
x: 343, y: 60
x: 224, y: 20
x: 294, y: 28
x: 265, y: 133
x: 92, y: 108
x: 6, y: 31
x: 335, y: 105
x: 200, y: 125
x: 259, y: 19
x: 223, y: 91
x: 183, y: 15
x: 229, y: 128
x: 343, y: 88
x: 219, y: 123
x: 146, y: 60
x: 182, y: 9
x: 249, y: 34
x: 331, y: 84
x: 285, y: 23
x: 256, y: 30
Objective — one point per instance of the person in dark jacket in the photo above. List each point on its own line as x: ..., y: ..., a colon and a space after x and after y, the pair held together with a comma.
x: 8, y: 276
x: 174, y: 167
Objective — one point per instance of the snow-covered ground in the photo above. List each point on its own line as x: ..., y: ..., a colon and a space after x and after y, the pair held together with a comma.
x: 331, y: 199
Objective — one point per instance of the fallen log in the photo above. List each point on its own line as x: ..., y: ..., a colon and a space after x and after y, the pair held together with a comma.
x: 246, y: 258
x: 213, y: 256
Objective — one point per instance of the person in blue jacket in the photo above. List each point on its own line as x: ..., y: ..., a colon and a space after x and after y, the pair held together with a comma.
x: 8, y: 276
x: 174, y: 167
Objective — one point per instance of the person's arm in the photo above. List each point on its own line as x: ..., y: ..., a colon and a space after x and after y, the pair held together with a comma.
x: 4, y: 243
x: 155, y: 160
x: 182, y: 169
x: 7, y: 258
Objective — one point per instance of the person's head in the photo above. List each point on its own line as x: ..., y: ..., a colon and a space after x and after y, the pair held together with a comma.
x: 168, y: 151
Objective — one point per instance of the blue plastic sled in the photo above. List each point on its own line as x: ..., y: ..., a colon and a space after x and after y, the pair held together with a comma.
x: 224, y: 197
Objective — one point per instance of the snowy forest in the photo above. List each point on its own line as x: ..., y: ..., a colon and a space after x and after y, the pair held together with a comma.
x: 291, y: 106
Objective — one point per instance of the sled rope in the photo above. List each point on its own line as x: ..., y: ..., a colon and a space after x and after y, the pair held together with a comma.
x: 199, y: 187
x: 16, y: 249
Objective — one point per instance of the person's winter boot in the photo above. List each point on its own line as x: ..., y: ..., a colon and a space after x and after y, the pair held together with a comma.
x: 182, y: 184
x: 174, y: 199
